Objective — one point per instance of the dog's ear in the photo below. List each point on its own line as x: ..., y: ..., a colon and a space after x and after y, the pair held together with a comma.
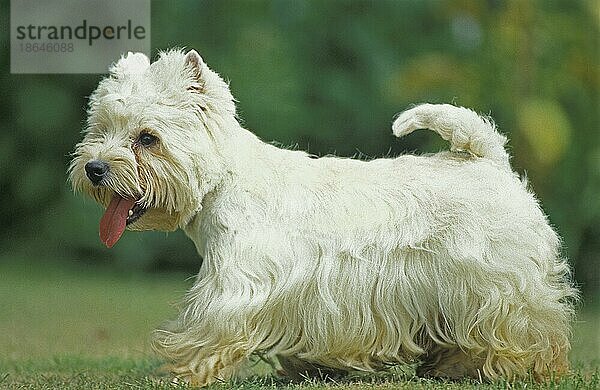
x: 194, y: 62
x: 132, y: 63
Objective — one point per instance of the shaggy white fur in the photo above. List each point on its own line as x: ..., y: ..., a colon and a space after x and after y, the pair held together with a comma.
x: 330, y: 262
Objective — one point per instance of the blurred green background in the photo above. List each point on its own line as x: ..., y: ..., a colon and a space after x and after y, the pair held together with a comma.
x: 329, y: 76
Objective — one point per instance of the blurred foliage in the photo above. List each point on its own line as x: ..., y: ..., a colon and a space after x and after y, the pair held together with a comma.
x: 328, y: 76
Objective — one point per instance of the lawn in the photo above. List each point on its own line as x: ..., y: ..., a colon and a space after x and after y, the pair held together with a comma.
x: 83, y: 326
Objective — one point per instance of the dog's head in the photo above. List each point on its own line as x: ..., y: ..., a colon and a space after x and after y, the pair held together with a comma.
x: 150, y: 152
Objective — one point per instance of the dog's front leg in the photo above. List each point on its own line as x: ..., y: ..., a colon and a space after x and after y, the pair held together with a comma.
x: 209, y: 341
x: 199, y: 352
x: 208, y: 365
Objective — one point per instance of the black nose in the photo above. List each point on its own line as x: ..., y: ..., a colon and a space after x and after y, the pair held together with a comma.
x: 96, y: 170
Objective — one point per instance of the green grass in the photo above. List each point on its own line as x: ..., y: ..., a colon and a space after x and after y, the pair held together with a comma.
x: 80, y: 326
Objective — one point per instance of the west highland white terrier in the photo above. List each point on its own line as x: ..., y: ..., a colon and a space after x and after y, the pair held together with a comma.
x: 329, y: 264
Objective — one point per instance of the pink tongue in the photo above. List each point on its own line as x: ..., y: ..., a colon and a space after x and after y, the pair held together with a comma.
x: 112, y: 224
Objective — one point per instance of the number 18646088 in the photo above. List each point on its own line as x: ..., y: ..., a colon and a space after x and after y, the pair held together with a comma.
x: 57, y: 47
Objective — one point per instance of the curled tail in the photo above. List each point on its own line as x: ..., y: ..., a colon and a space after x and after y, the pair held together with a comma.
x: 463, y: 128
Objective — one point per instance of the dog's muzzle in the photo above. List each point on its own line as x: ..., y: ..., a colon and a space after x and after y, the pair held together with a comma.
x: 96, y: 170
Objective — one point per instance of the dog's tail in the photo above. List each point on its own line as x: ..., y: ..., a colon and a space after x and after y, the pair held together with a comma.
x: 463, y: 128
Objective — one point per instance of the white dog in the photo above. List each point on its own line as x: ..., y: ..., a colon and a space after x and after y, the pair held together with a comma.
x: 328, y: 263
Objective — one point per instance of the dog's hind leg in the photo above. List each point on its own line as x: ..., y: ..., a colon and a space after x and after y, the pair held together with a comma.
x: 299, y: 370
x: 450, y: 363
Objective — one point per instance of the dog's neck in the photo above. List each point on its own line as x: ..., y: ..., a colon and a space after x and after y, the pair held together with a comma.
x: 241, y: 156
x: 241, y: 152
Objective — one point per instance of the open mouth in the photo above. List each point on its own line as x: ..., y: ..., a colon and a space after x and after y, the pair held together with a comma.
x: 118, y: 214
x: 135, y: 213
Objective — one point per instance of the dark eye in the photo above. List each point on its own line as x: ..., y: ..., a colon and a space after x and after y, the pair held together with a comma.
x: 146, y: 139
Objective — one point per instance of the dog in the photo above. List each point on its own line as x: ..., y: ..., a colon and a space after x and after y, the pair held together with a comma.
x: 328, y: 264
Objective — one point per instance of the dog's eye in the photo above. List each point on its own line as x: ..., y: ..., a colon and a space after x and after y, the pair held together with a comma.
x: 146, y: 139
